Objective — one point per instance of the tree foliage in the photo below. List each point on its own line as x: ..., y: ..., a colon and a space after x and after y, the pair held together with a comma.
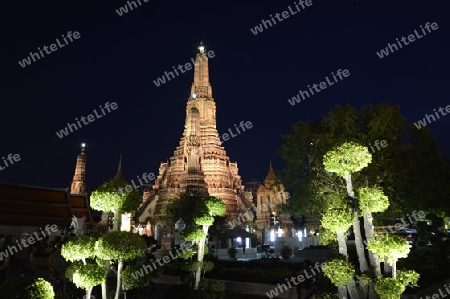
x: 88, y: 276
x: 390, y: 246
x: 183, y: 207
x: 410, y: 169
x: 372, y: 199
x: 339, y: 271
x: 132, y: 281
x: 347, y: 158
x: 113, y: 196
x: 79, y: 248
x: 120, y: 246
x: 389, y: 288
x: 27, y: 288
x: 337, y: 220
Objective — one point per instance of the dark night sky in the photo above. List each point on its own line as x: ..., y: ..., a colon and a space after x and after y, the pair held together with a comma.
x: 252, y: 76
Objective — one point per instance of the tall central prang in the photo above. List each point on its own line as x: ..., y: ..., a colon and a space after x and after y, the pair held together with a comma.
x: 200, y: 163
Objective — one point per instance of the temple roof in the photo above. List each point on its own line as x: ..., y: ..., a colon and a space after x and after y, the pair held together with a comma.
x: 35, y: 206
x: 271, y: 177
x: 119, y: 175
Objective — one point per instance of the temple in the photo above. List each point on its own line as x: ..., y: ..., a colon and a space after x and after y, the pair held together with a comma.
x: 200, y: 164
x: 271, y: 195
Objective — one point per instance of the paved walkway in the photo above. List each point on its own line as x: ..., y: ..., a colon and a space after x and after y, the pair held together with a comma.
x: 234, y: 289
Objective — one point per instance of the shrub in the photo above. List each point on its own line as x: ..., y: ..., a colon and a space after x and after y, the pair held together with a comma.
x: 286, y: 251
x: 27, y: 288
x: 339, y: 271
x: 232, y: 252
x: 131, y: 278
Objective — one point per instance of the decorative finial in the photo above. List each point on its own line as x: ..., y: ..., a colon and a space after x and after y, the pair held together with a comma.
x: 83, y: 145
x: 119, y: 170
x: 119, y: 175
x: 201, y: 48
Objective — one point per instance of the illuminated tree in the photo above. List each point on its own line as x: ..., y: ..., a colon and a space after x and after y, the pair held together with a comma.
x: 341, y: 273
x: 116, y: 196
x: 345, y: 160
x: 83, y: 273
x: 393, y: 167
x: 390, y: 288
x: 27, y: 288
x: 372, y: 200
x: 338, y: 221
x: 120, y: 246
x: 397, y: 164
x: 204, y: 213
x: 389, y: 246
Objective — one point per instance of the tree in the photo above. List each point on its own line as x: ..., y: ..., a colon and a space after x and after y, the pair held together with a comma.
x: 345, y: 160
x: 205, y: 211
x: 120, y: 246
x: 372, y: 200
x: 82, y: 272
x: 116, y: 196
x: 181, y: 207
x: 27, y: 288
x: 397, y: 167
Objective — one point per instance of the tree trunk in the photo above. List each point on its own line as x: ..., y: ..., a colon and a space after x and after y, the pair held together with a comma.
x: 394, y: 270
x: 352, y: 290
x: 387, y: 268
x: 88, y: 293
x: 119, y: 272
x: 104, y: 289
x: 368, y: 227
x: 342, y: 244
x: 200, y: 253
x: 363, y: 267
x: 342, y: 290
x: 372, y: 293
x: 116, y: 221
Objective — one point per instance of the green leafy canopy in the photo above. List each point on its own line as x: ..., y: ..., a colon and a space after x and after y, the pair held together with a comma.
x: 113, y: 197
x: 372, y: 199
x: 120, y: 245
x: 79, y: 248
x: 348, y: 158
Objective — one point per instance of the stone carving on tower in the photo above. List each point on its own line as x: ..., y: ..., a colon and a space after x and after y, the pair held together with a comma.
x: 200, y: 163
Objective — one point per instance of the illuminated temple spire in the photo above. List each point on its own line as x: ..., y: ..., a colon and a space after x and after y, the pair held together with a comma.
x: 78, y: 185
x: 200, y: 163
x: 201, y: 87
